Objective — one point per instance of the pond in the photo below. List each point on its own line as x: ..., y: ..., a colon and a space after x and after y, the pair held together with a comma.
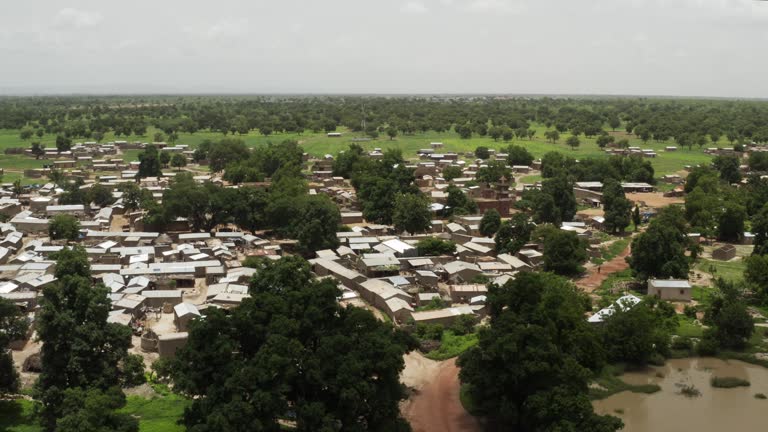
x: 715, y: 409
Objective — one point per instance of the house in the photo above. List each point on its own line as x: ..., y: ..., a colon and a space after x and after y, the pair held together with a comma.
x: 670, y: 289
x: 463, y: 293
x: 724, y: 253
x: 460, y: 271
x: 168, y: 344
x: 446, y: 317
x: 516, y: 263
x: 183, y: 313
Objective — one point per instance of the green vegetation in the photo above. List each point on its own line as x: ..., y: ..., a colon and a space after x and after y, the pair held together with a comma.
x: 760, y: 396
x: 687, y: 328
x: 158, y: 414
x: 465, y: 397
x: 608, y: 382
x: 728, y: 382
x: 452, y: 345
x: 729, y: 270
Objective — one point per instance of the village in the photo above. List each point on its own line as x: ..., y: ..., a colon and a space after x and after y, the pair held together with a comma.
x: 161, y: 281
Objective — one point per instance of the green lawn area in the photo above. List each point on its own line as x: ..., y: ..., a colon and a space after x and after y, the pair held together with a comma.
x: 609, y: 382
x: 687, y: 328
x: 155, y: 415
x: 729, y: 270
x: 452, y: 345
x: 319, y: 144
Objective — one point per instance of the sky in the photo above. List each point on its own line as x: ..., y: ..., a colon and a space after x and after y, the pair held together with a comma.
x: 612, y: 47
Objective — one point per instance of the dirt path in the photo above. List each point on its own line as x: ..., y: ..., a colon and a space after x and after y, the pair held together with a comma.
x: 437, y: 408
x: 593, y: 279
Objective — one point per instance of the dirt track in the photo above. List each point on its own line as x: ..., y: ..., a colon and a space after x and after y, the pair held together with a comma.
x: 437, y: 408
x: 593, y: 279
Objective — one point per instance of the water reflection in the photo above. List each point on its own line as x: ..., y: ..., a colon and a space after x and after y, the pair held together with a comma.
x: 714, y: 410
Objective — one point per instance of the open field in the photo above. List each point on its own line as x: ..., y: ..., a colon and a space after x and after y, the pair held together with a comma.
x: 319, y: 144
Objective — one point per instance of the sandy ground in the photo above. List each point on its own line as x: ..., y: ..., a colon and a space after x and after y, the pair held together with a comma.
x: 436, y: 406
x: 654, y: 199
x: 19, y: 357
x: 593, y: 279
x: 418, y: 371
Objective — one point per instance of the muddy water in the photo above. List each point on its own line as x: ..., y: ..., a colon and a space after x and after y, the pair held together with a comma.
x: 716, y: 410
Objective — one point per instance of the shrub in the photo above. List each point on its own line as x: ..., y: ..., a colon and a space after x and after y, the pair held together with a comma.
x: 708, y: 346
x: 133, y: 370
x: 690, y: 391
x: 429, y: 331
x: 690, y: 311
x: 682, y: 343
x: 463, y: 324
x: 728, y: 382
x: 761, y: 396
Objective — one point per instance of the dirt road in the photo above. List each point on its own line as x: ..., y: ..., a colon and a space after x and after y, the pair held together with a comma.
x: 437, y: 408
x: 593, y: 279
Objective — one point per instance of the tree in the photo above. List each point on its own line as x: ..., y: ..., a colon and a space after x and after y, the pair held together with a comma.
x: 464, y: 131
x: 391, y: 132
x: 458, y: 202
x: 490, y: 223
x: 282, y: 348
x: 513, y: 234
x: 37, y: 150
x: 559, y: 192
x: 482, y: 153
x: 495, y: 132
x: 158, y: 137
x: 564, y: 253
x: 149, y: 163
x: 731, y: 323
x: 604, y: 140
x: 165, y: 158
x: 432, y: 246
x: 64, y: 227
x: 728, y: 166
x: 451, y: 172
x: 80, y: 349
x: 637, y: 333
x: 13, y: 326
x: 63, y: 143
x: 178, y: 161
x: 26, y: 133
x: 760, y: 230
x: 622, y: 143
x: 659, y: 252
x: 617, y: 207
x: 132, y: 370
x: 758, y: 161
x: 95, y: 410
x: 507, y: 134
x: 756, y: 275
x: 531, y: 367
x: 493, y: 173
x: 730, y: 225
x: 226, y: 152
x: 519, y: 155
x: 553, y: 136
x: 573, y: 142
x: 412, y: 213
x: 100, y: 195
x: 636, y: 219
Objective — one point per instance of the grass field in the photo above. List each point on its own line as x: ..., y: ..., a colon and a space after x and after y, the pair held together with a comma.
x: 729, y: 270
x: 452, y: 345
x: 158, y: 414
x: 319, y: 144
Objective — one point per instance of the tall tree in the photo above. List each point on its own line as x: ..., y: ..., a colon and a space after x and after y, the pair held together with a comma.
x: 64, y: 227
x: 617, y: 207
x: 80, y: 349
x: 531, y: 367
x: 282, y: 348
x: 490, y: 223
x: 149, y: 163
x: 513, y: 234
x: 13, y: 326
x: 412, y: 213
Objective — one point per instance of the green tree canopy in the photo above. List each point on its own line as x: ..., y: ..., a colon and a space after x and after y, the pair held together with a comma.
x: 531, y: 367
x: 282, y: 348
x: 64, y: 227
x: 490, y: 223
x: 412, y: 213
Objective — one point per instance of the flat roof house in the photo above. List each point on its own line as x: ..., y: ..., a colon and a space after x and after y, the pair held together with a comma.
x: 670, y: 289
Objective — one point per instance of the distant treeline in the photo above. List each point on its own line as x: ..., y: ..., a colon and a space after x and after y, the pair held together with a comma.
x: 650, y: 119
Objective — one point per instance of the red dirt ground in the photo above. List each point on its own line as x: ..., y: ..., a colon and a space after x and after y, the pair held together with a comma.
x: 437, y: 408
x: 593, y: 279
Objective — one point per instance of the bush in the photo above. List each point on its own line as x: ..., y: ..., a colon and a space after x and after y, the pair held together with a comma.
x: 682, y: 343
x: 429, y: 331
x: 690, y: 391
x: 708, y: 346
x: 656, y: 359
x: 427, y: 346
x: 761, y: 396
x: 690, y: 311
x: 133, y: 370
x: 728, y: 382
x: 464, y: 324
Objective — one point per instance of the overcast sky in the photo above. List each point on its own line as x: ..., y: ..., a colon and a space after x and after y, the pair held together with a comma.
x: 645, y: 47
